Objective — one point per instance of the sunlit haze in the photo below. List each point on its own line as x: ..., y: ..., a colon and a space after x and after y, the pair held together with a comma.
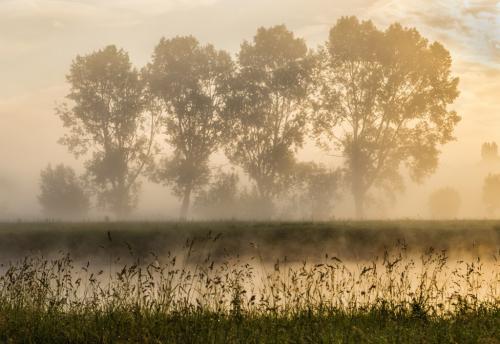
x: 39, y: 39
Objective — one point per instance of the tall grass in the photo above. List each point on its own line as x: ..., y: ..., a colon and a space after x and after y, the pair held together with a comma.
x: 193, y: 297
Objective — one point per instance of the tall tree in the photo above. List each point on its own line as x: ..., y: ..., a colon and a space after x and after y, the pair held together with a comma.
x: 267, y: 109
x: 62, y: 194
x: 382, y: 103
x: 189, y: 82
x: 108, y: 123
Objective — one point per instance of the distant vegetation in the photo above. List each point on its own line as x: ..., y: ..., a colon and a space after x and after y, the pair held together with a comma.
x: 62, y: 194
x: 445, y: 203
x: 379, y: 99
x: 489, y: 153
x: 491, y: 193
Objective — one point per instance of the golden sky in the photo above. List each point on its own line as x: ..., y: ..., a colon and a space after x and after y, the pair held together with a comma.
x: 39, y: 39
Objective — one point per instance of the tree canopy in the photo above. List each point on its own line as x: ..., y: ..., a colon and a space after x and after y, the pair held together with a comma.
x: 267, y: 107
x: 189, y: 82
x: 109, y: 125
x: 382, y: 103
x: 380, y: 99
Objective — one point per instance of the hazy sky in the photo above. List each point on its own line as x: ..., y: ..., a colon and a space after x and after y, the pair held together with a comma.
x: 39, y: 39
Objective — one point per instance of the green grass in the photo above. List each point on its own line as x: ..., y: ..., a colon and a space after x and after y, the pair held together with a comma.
x: 372, y: 327
x: 298, y: 241
x: 195, y: 291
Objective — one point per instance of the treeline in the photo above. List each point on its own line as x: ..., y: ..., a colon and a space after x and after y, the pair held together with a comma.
x: 445, y: 202
x: 379, y: 99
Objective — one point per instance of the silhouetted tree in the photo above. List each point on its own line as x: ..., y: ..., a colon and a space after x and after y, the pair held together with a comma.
x: 225, y: 198
x: 315, y: 189
x: 444, y: 203
x: 189, y: 81
x: 267, y: 108
x: 252, y: 206
x: 62, y: 195
x: 382, y: 102
x: 489, y: 152
x: 108, y: 123
x: 221, y: 199
x: 491, y: 193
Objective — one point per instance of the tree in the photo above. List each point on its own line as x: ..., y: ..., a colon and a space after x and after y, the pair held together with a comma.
x: 316, y: 187
x: 109, y: 124
x: 489, y: 152
x: 382, y: 103
x: 225, y: 198
x: 267, y: 108
x: 221, y: 199
x: 189, y: 82
x: 491, y: 193
x: 62, y: 195
x: 444, y: 203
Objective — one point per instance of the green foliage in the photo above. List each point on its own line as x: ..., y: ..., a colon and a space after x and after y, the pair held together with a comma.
x: 382, y: 102
x: 62, y: 195
x: 267, y: 108
x: 125, y: 327
x: 188, y: 82
x: 107, y: 123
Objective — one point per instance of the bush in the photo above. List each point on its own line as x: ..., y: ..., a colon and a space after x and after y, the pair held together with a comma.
x: 62, y: 194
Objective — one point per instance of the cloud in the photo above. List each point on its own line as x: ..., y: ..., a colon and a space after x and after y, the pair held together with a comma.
x: 482, y: 7
x: 85, y: 7
x: 443, y: 22
x: 470, y: 29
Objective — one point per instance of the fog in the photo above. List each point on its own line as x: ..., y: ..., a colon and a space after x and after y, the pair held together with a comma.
x: 39, y: 39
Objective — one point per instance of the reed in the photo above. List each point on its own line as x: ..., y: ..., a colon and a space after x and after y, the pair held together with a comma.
x: 192, y: 297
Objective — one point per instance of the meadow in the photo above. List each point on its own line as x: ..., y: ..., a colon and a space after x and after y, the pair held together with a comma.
x: 250, y: 282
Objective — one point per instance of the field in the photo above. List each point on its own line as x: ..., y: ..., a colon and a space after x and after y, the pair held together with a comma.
x: 242, y: 282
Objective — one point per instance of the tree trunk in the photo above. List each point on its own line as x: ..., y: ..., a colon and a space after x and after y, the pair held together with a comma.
x: 357, y: 187
x: 186, y: 200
